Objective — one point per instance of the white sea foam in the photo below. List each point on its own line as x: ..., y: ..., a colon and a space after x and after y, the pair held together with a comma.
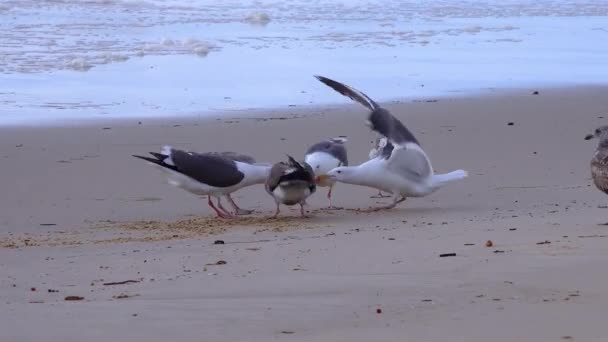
x: 201, y: 50
x: 395, y: 46
x: 109, y: 57
x: 167, y: 42
x: 78, y: 64
x: 258, y: 18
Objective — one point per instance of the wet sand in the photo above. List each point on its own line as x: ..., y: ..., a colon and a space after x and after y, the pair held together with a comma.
x: 79, y: 212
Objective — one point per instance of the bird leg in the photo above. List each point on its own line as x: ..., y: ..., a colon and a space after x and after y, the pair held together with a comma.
x: 237, y: 210
x: 380, y: 195
x: 396, y: 200
x: 331, y: 207
x: 302, y: 213
x: 217, y: 211
x: 276, y: 213
x: 221, y: 207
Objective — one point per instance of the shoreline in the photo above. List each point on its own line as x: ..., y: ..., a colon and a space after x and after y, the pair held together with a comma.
x: 254, y: 113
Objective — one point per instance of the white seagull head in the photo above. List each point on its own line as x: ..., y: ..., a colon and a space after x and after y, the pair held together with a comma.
x: 342, y: 174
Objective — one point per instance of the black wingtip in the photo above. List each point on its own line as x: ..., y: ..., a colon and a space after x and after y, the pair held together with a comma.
x: 352, y: 93
x: 292, y: 159
x: 159, y: 162
x: 158, y: 156
x: 320, y: 78
x: 327, y: 81
x: 148, y: 159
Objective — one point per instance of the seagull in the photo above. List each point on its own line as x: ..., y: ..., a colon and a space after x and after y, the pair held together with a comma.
x: 405, y: 171
x: 212, y: 174
x: 325, y: 156
x: 599, y: 162
x: 291, y: 183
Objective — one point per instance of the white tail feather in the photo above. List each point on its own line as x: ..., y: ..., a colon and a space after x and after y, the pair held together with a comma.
x: 339, y: 140
x: 445, y: 178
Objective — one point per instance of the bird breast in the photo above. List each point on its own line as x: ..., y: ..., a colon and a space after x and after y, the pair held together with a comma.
x: 290, y: 195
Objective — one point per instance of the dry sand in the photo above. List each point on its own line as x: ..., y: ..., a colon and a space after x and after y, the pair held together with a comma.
x: 77, y: 211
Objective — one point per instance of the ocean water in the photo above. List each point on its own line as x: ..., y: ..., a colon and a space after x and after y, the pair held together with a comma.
x: 69, y: 60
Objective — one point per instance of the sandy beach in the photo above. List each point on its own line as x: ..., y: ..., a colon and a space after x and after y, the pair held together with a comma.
x: 79, y: 212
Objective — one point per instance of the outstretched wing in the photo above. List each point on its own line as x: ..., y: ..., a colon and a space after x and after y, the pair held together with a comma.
x: 383, y: 122
x: 380, y: 119
x: 350, y: 92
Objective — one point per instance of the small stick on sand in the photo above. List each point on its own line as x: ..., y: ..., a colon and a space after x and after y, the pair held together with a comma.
x: 122, y: 282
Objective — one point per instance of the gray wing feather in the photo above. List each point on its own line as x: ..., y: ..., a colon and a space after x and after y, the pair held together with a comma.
x: 336, y: 149
x: 409, y: 163
x: 385, y: 123
x: 243, y: 158
x: 210, y: 169
x: 274, y: 177
x: 350, y: 92
x: 382, y: 121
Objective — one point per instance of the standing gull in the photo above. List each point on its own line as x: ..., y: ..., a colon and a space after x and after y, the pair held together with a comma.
x: 325, y: 156
x: 290, y: 183
x: 599, y: 162
x: 404, y: 172
x: 213, y: 174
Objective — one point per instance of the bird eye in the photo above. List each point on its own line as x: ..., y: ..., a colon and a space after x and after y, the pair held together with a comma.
x: 597, y: 131
x: 317, y: 166
x: 339, y: 171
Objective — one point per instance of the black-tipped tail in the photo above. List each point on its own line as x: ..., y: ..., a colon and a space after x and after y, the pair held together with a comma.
x: 158, y: 161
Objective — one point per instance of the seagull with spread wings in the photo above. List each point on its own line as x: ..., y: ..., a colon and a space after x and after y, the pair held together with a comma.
x: 404, y: 170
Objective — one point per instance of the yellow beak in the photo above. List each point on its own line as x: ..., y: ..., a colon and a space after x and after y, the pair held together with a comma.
x: 321, y: 178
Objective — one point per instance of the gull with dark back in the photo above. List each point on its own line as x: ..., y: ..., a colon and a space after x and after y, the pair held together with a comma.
x: 212, y: 174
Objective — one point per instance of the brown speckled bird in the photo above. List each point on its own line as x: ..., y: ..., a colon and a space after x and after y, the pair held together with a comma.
x: 291, y: 183
x: 599, y: 163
